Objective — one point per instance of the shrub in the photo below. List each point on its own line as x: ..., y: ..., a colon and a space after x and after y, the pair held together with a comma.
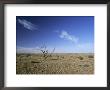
x: 34, y: 62
x: 90, y: 56
x: 81, y: 58
x: 45, y: 52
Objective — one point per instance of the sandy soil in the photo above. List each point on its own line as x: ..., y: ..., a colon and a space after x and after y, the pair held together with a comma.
x: 56, y: 64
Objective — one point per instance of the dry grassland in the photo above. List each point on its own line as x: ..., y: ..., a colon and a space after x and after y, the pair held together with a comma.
x: 56, y: 64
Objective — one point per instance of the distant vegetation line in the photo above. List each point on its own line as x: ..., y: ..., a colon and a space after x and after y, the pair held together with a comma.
x: 56, y: 53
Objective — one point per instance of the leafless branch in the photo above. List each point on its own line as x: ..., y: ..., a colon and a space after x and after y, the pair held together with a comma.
x: 45, y: 51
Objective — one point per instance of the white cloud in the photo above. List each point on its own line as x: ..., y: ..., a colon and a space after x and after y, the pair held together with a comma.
x: 32, y: 49
x: 84, y: 48
x: 76, y: 48
x: 67, y: 36
x: 28, y: 25
x: 27, y: 50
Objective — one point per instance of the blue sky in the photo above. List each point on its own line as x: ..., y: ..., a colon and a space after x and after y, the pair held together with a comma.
x: 67, y: 34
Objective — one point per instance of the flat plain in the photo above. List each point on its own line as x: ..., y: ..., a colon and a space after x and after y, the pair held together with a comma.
x: 58, y: 63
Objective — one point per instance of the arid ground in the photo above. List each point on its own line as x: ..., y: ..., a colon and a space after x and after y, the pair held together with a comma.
x: 59, y: 63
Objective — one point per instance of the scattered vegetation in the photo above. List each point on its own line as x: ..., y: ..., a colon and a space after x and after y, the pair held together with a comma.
x: 35, y: 62
x: 90, y: 56
x: 80, y: 57
x: 57, y: 64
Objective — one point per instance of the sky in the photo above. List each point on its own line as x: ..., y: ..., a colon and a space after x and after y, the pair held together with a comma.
x: 67, y: 34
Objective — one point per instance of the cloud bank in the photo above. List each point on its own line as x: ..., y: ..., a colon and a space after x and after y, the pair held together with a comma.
x: 20, y: 49
x: 77, y: 48
x: 26, y: 50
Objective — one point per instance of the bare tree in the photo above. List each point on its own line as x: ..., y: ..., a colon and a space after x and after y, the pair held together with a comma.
x: 45, y: 52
